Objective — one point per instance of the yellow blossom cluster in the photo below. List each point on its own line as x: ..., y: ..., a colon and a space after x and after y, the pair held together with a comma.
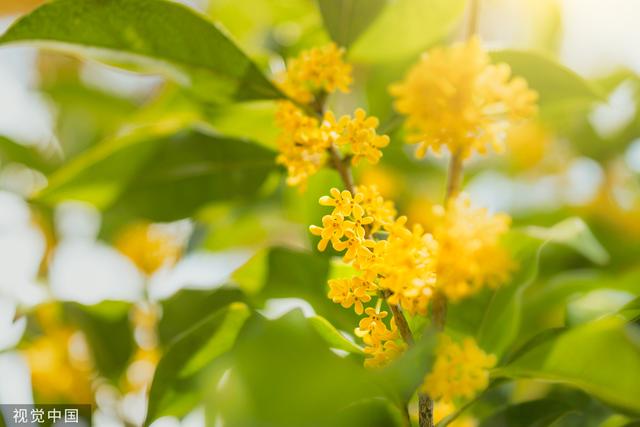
x: 314, y: 71
x: 470, y: 253
x: 149, y: 246
x: 59, y: 362
x: 395, y: 262
x: 304, y: 140
x: 455, y: 98
x: 460, y: 370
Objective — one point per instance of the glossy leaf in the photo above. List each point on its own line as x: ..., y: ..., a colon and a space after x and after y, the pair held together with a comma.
x: 555, y: 83
x: 332, y: 336
x: 345, y: 20
x: 174, y: 390
x: 190, y: 306
x: 535, y: 413
x: 162, y: 177
x: 405, y: 28
x: 153, y: 35
x: 601, y: 358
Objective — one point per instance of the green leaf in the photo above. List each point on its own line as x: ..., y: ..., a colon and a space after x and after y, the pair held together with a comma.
x: 535, y: 413
x: 555, y: 83
x: 12, y: 152
x: 174, y: 390
x: 574, y: 233
x: 601, y: 358
x: 190, y: 306
x: 153, y: 35
x: 298, y: 274
x: 108, y: 331
x: 345, y: 20
x: 502, y: 316
x: 332, y: 336
x: 162, y: 177
x: 191, y: 169
x: 295, y: 380
x: 405, y: 28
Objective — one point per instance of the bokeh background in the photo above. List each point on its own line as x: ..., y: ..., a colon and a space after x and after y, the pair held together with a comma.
x: 580, y: 158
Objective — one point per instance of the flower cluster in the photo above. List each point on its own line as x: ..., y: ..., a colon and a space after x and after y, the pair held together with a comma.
x: 149, y: 246
x: 315, y: 71
x: 470, y: 253
x: 460, y: 370
x: 455, y: 98
x: 304, y: 140
x: 394, y: 262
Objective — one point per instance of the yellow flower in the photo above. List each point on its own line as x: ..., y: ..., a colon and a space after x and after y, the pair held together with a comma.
x: 380, y: 355
x: 351, y: 292
x: 359, y: 132
x: 528, y: 144
x: 59, y: 374
x: 302, y: 143
x: 403, y: 264
x: 333, y: 228
x: 460, y: 370
x: 455, y: 98
x: 149, y: 246
x: 320, y: 69
x: 470, y: 253
x: 343, y: 202
x: 382, y: 211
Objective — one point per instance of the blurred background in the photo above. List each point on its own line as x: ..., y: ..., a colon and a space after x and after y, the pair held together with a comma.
x: 581, y: 157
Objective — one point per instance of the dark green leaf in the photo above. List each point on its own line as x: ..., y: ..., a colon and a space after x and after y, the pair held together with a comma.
x: 347, y: 19
x: 155, y: 34
x: 108, y: 331
x: 162, y: 178
x: 535, y: 413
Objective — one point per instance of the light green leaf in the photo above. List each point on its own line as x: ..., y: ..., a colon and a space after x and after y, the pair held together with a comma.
x: 29, y: 156
x: 173, y: 391
x: 405, y: 28
x: 332, y: 336
x: 345, y: 20
x: 555, y: 83
x: 502, y: 316
x: 575, y: 233
x: 153, y: 35
x: 601, y: 358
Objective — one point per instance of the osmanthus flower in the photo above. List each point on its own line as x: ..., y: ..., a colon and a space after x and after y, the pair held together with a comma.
x: 455, y: 98
x: 395, y: 262
x: 305, y: 138
x: 314, y: 71
x: 358, y: 132
x: 302, y: 143
x: 351, y: 292
x: 460, y: 370
x: 470, y: 254
x: 149, y: 246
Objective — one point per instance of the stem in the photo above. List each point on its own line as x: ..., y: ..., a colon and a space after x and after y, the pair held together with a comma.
x: 472, y: 29
x: 402, y: 324
x: 342, y: 166
x: 454, y: 178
